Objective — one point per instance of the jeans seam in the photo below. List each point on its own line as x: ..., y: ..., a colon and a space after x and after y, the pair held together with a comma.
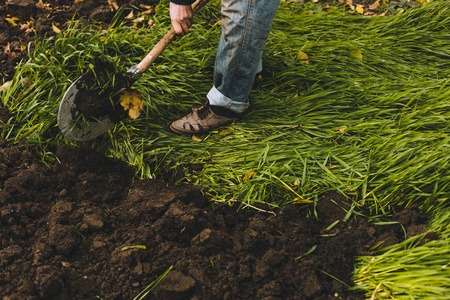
x: 248, y: 26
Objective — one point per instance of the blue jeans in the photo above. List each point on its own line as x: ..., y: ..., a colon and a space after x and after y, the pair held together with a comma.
x: 245, y: 28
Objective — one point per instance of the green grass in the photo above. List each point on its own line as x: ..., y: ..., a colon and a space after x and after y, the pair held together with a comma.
x: 143, y: 294
x: 408, y: 271
x: 374, y: 128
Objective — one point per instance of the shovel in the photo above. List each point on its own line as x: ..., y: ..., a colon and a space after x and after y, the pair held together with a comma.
x: 69, y: 114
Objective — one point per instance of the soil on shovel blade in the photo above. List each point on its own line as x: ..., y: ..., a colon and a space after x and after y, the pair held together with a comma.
x: 84, y: 229
x: 96, y: 96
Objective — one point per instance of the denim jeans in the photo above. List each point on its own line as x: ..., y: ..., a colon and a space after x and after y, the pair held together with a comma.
x: 245, y: 28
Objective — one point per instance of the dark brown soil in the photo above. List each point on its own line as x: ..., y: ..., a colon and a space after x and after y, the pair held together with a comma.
x: 64, y: 231
x: 96, y: 96
x: 36, y: 20
x: 90, y: 104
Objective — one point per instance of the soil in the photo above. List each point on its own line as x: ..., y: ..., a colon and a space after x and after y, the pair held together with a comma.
x: 96, y: 95
x: 90, y: 103
x: 86, y: 229
x: 32, y: 20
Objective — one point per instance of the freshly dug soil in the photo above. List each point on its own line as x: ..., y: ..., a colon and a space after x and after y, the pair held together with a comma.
x: 96, y: 96
x: 33, y: 20
x: 85, y: 229
x: 91, y: 104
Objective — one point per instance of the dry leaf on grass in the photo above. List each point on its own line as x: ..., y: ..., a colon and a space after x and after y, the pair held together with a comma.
x: 113, y: 3
x: 55, y: 28
x: 196, y: 139
x: 303, y: 57
x: 374, y: 5
x: 5, y: 85
x: 133, y: 102
x: 130, y: 15
x: 359, y: 9
x: 356, y: 54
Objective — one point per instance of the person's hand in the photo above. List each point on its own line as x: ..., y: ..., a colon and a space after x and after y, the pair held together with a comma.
x: 181, y: 17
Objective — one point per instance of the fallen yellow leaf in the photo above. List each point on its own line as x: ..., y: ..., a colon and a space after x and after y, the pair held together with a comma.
x: 55, y: 29
x: 148, y: 11
x: 113, y: 3
x: 130, y: 15
x: 301, y: 200
x: 138, y: 20
x: 360, y: 8
x: 260, y: 79
x: 225, y: 131
x: 65, y: 264
x: 303, y: 57
x: 247, y: 176
x: 196, y: 139
x: 133, y: 102
x: 5, y: 85
x: 12, y: 20
x: 356, y: 54
x: 374, y: 5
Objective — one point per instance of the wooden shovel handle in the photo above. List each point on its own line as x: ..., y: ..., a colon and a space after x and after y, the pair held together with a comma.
x: 165, y: 41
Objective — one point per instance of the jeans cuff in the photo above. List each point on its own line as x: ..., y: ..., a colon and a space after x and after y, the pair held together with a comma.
x: 218, y: 99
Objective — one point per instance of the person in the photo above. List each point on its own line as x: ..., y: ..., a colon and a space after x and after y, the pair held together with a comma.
x: 245, y: 28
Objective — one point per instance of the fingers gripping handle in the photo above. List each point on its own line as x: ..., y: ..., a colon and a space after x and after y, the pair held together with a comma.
x: 165, y: 41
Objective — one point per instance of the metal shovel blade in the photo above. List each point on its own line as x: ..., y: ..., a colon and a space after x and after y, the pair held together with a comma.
x: 68, y: 115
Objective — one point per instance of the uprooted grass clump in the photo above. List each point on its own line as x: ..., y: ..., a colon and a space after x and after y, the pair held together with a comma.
x: 366, y: 114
